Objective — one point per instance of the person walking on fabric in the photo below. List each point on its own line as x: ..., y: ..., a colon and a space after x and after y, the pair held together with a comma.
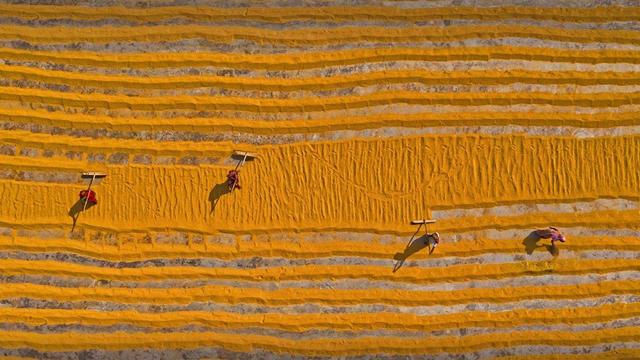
x: 89, y: 196
x: 233, y: 180
x: 432, y: 240
x: 551, y: 233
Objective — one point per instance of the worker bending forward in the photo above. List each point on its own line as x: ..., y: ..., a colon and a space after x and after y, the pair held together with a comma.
x: 233, y: 180
x: 432, y: 240
x: 551, y: 233
x: 88, y: 196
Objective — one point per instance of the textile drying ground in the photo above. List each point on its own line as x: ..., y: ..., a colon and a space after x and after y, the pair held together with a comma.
x: 493, y: 117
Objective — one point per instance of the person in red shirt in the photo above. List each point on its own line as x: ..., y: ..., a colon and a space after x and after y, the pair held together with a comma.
x: 89, y: 196
x: 233, y: 179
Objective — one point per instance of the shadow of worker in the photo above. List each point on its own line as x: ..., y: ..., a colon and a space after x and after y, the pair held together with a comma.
x: 76, y: 209
x: 531, y: 244
x: 216, y: 193
x: 413, y: 246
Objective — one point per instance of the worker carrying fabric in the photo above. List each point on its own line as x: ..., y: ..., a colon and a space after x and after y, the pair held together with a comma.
x: 432, y: 240
x: 551, y: 233
x: 88, y: 196
x: 233, y: 180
